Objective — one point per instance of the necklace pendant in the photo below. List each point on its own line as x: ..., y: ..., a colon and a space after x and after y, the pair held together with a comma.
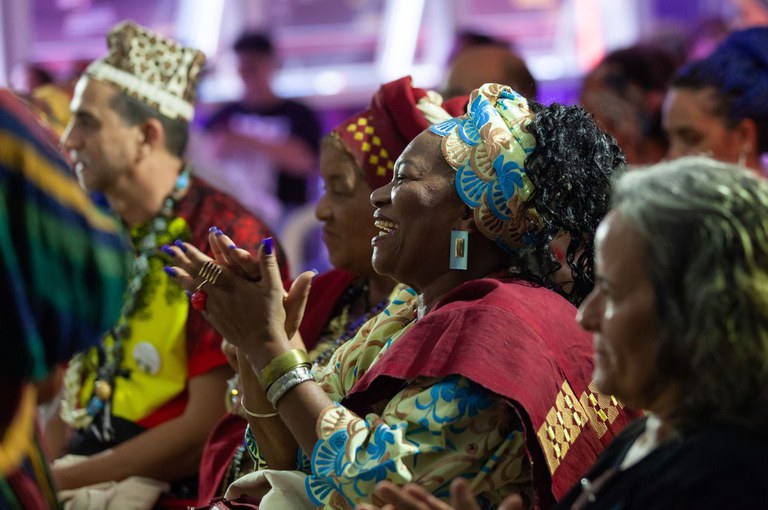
x: 95, y: 405
x: 103, y: 390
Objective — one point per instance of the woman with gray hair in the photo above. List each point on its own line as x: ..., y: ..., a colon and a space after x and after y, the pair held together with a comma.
x: 679, y: 315
x: 680, y: 322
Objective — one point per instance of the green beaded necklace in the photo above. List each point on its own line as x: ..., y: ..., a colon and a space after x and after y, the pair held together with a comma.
x: 146, y: 239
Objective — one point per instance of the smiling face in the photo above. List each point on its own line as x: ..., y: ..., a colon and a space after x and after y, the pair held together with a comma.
x: 415, y: 215
x: 345, y: 209
x: 693, y: 128
x: 621, y: 314
x: 103, y: 147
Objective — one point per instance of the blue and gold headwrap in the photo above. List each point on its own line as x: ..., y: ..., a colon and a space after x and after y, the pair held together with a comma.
x: 487, y: 146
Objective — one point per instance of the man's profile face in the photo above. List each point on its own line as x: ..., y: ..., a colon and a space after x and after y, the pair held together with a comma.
x: 101, y: 144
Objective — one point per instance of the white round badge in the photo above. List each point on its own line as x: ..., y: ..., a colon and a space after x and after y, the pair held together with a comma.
x: 146, y: 357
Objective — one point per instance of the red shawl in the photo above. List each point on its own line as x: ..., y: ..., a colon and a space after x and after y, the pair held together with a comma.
x: 521, y: 342
x: 327, y: 289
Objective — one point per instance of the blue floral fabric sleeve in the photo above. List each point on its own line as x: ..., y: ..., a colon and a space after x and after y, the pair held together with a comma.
x: 432, y: 432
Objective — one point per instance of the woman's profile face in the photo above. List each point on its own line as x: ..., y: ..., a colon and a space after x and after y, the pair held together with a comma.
x: 345, y: 209
x: 694, y: 129
x: 621, y: 314
x: 415, y: 214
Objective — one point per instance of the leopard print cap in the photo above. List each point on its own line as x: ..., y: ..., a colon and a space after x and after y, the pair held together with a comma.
x: 151, y: 68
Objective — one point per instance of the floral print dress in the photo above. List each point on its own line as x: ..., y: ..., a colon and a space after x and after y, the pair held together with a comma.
x: 432, y: 431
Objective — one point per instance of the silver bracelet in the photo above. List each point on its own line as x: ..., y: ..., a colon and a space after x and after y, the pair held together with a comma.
x: 286, y: 382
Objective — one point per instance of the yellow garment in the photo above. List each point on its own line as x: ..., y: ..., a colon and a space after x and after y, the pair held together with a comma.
x: 16, y: 441
x: 158, y: 328
x: 53, y: 104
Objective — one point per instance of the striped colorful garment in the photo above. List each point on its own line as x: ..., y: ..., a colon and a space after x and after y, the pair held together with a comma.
x: 63, y: 271
x: 63, y: 264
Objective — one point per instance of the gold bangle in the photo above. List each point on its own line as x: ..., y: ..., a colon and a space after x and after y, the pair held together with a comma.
x: 282, y: 364
x: 256, y: 415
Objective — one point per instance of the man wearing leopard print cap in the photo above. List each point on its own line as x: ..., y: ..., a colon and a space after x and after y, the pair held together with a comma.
x: 147, y: 397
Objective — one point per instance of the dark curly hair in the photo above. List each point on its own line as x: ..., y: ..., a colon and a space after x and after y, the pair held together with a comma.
x: 571, y: 169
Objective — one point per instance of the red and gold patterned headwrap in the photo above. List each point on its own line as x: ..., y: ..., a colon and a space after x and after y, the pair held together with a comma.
x: 397, y: 114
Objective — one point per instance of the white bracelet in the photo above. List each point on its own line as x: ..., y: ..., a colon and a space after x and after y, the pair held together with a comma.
x: 286, y: 382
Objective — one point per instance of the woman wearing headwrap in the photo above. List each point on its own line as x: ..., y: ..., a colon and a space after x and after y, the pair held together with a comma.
x: 355, y: 158
x: 718, y: 106
x: 478, y: 369
x: 63, y: 269
x: 680, y: 328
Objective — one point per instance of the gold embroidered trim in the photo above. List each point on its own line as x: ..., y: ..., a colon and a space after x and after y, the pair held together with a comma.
x: 600, y: 408
x: 562, y: 426
x: 569, y: 416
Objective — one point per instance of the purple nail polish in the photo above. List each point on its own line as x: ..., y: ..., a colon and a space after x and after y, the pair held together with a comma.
x: 268, y: 245
x: 213, y: 229
x: 179, y: 243
x: 170, y: 271
x: 232, y: 246
x: 188, y: 293
x: 167, y: 249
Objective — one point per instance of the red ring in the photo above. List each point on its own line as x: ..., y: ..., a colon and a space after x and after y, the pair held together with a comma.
x: 199, y: 298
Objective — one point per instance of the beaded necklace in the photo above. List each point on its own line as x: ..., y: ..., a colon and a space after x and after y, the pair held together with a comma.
x: 146, y: 239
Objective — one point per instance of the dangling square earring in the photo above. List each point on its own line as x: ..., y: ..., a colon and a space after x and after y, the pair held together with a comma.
x: 459, y: 249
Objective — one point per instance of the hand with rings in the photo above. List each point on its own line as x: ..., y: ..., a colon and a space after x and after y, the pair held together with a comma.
x: 229, y: 255
x: 246, y: 265
x: 244, y: 298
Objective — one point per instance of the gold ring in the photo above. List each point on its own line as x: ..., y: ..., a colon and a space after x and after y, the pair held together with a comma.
x: 208, y: 273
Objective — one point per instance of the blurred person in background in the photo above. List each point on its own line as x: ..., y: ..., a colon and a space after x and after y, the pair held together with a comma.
x: 478, y: 59
x: 625, y: 92
x: 262, y: 149
x: 52, y: 102
x: 718, y: 106
x: 49, y: 98
x: 63, y: 270
x: 27, y: 76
